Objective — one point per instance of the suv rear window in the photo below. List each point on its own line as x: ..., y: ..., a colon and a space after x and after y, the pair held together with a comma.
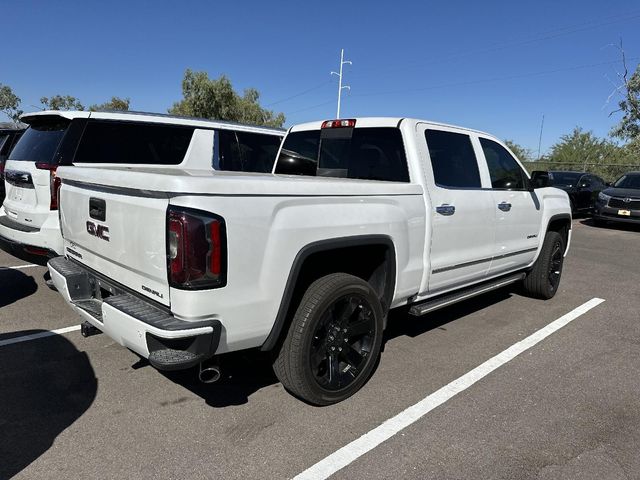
x: 363, y: 153
x: 246, y: 151
x: 133, y: 143
x: 40, y: 142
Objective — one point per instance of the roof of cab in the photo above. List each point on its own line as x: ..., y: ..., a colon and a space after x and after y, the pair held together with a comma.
x: 151, y: 118
x: 365, y: 122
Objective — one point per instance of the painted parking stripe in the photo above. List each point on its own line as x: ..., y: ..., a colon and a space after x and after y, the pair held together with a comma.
x: 347, y: 454
x: 35, y: 336
x: 19, y: 267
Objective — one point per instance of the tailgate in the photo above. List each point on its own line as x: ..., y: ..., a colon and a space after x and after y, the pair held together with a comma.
x: 28, y: 193
x: 121, y: 236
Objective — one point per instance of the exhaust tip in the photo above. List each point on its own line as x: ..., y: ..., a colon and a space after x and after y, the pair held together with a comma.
x: 209, y: 374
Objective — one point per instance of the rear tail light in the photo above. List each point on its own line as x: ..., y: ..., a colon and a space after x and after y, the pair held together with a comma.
x: 55, y: 183
x: 196, y: 249
x: 339, y: 123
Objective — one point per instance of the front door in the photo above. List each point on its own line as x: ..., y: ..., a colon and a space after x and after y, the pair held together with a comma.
x: 518, y: 211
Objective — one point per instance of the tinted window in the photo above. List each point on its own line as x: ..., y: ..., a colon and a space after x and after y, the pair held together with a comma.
x: 3, y: 140
x: 363, y: 153
x: 628, y: 181
x: 452, y: 159
x: 564, y: 178
x: 133, y: 143
x: 246, y: 151
x: 504, y: 170
x: 40, y: 142
x: 299, y: 154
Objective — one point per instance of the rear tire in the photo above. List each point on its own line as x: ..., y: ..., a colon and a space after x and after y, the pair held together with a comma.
x: 544, y: 278
x: 333, y: 342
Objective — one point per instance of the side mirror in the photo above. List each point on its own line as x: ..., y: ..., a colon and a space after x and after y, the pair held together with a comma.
x: 539, y: 179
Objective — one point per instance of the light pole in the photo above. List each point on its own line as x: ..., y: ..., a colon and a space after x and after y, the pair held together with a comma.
x: 340, y: 86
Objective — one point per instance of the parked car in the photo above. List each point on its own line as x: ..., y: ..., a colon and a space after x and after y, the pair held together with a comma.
x: 621, y: 201
x: 361, y: 216
x: 583, y: 189
x: 8, y: 138
x: 29, y: 222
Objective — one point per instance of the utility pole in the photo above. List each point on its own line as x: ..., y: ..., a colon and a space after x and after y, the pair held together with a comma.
x: 340, y: 86
x: 540, y: 139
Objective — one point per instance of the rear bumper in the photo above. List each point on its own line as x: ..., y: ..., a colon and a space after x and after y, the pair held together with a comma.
x: 136, y: 323
x: 45, y: 242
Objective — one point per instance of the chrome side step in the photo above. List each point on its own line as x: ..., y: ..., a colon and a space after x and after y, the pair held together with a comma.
x: 447, y: 299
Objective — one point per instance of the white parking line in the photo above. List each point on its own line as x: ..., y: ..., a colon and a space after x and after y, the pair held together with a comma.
x: 34, y: 336
x: 18, y: 267
x: 352, y: 451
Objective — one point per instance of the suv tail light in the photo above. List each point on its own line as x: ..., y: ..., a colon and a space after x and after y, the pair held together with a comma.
x: 55, y: 183
x: 196, y: 249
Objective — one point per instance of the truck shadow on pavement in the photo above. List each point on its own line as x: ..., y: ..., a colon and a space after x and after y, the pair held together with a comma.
x: 246, y: 372
x: 242, y: 374
x: 15, y: 285
x: 45, y: 386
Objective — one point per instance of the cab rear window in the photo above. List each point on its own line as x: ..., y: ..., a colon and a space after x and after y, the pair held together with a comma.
x: 133, y: 143
x: 40, y: 141
x: 364, y: 153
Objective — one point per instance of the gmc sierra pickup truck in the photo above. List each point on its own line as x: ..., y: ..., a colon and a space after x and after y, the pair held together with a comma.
x: 358, y: 217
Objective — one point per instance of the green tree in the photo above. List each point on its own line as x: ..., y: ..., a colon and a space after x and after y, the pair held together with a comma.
x: 524, y: 154
x: 116, y: 103
x: 216, y: 99
x: 583, y: 148
x: 10, y: 103
x: 629, y: 126
x: 61, y: 102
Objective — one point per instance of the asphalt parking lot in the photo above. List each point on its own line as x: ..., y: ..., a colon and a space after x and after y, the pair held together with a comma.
x: 568, y: 407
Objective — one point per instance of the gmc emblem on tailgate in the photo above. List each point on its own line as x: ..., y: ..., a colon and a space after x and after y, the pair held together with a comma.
x: 100, y: 231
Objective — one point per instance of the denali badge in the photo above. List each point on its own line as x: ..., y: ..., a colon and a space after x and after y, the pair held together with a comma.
x: 100, y: 231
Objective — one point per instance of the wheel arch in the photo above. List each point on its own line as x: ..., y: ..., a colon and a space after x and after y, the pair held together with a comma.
x: 560, y: 223
x: 322, y: 257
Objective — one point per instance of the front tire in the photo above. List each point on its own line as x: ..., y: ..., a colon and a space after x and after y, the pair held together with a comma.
x: 333, y: 341
x: 544, y: 278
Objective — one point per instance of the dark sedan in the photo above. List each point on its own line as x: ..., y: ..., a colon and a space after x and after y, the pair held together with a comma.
x: 583, y: 189
x: 620, y: 202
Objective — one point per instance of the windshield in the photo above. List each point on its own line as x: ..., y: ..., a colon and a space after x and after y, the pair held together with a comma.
x: 628, y: 181
x: 40, y: 142
x: 564, y: 178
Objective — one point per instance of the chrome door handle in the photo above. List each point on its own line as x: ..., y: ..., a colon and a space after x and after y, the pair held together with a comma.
x: 446, y: 210
x: 504, y: 206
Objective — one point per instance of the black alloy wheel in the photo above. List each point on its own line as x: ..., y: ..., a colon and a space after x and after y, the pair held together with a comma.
x: 342, y: 342
x: 333, y: 342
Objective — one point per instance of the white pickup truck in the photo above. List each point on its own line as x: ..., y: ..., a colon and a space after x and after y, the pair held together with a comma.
x: 359, y: 216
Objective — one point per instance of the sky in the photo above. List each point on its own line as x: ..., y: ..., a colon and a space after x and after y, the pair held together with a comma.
x: 496, y: 66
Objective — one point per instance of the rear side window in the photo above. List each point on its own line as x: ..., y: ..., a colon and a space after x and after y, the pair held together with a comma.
x: 505, y: 172
x: 247, y: 151
x: 40, y: 142
x: 453, y: 160
x: 362, y: 153
x: 133, y: 143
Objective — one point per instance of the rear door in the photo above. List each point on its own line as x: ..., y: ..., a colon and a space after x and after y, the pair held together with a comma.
x: 518, y: 211
x: 462, y: 215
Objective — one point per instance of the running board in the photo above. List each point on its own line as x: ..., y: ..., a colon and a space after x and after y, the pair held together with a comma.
x: 447, y: 299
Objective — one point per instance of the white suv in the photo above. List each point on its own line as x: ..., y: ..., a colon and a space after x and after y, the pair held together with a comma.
x: 29, y: 223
